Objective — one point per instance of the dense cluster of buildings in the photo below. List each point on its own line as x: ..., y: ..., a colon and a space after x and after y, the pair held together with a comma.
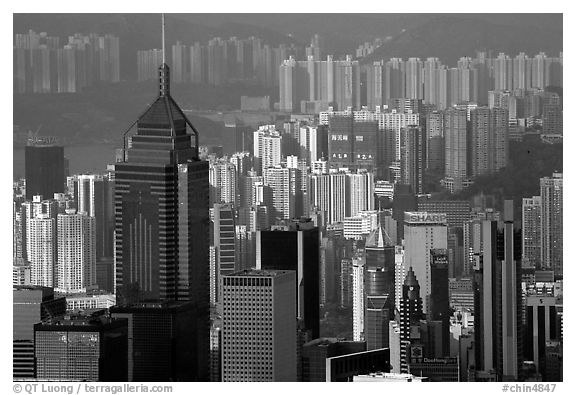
x: 182, y: 264
x: 45, y: 64
x: 225, y: 61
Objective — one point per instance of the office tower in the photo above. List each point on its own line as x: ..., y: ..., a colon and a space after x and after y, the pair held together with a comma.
x: 316, y: 352
x: 531, y: 232
x: 42, y: 250
x: 358, y: 300
x: 44, y: 162
x: 541, y: 328
x: 488, y: 140
x: 216, y: 348
x: 379, y: 288
x: 94, y: 195
x: 340, y: 142
x: 76, y: 268
x: 259, y: 311
x: 455, y: 148
x: 410, y: 314
x: 295, y: 246
x: 30, y: 305
x: 457, y: 211
x: 225, y: 239
x: 223, y: 178
x: 162, y: 217
x: 440, y: 300
x: 497, y: 298
x: 404, y: 200
x: 412, y: 151
x: 336, y: 360
x: 81, y: 348
x: 352, y: 144
x: 435, y: 141
x: 267, y: 148
x: 162, y: 341
x: 423, y: 232
x: 551, y: 226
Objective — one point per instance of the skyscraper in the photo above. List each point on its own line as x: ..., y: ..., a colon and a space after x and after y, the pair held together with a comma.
x: 259, y: 326
x: 440, y: 300
x: 44, y: 162
x: 497, y: 298
x: 224, y: 239
x: 30, y: 305
x: 81, y: 348
x: 295, y: 246
x: 163, y: 341
x: 410, y: 314
x: 94, y: 194
x: 423, y: 232
x: 162, y: 216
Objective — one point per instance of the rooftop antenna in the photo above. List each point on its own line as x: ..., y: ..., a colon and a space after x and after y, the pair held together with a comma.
x: 163, y: 40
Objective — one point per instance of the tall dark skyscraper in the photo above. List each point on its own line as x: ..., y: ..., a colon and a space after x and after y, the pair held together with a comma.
x: 44, y: 162
x: 295, y: 246
x: 31, y: 304
x: 410, y: 314
x: 440, y: 299
x: 379, y: 288
x: 162, y: 216
x: 498, y: 298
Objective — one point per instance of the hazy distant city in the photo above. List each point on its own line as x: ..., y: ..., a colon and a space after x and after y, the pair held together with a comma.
x: 288, y: 197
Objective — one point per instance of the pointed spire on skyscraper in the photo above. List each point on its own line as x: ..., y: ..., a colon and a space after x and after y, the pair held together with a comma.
x: 164, y: 69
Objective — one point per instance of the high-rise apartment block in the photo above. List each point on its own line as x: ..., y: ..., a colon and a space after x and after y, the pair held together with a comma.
x: 551, y: 189
x: 76, y: 266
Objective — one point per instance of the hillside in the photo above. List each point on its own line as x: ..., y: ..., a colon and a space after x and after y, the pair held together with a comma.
x: 450, y: 37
